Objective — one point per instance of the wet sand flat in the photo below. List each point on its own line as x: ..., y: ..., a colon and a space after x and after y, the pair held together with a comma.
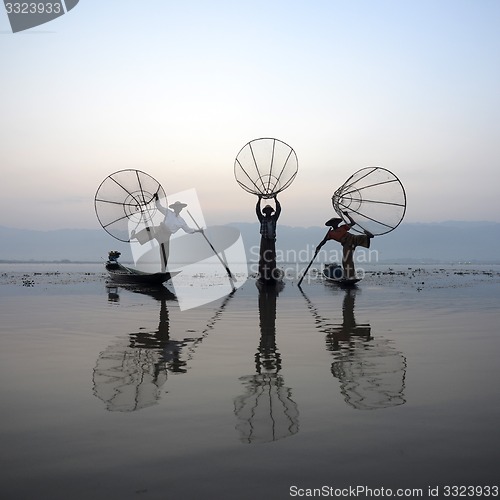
x: 112, y: 392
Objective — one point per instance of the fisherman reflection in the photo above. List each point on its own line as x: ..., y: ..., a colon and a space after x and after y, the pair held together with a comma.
x: 130, y: 373
x: 371, y: 372
x: 267, y: 357
x: 169, y: 350
x: 346, y: 333
x: 266, y: 412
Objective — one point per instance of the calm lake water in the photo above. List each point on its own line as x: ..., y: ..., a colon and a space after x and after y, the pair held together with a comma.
x: 108, y: 392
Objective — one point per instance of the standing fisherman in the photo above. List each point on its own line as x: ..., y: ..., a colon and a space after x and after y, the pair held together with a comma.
x: 268, y: 220
x: 162, y: 233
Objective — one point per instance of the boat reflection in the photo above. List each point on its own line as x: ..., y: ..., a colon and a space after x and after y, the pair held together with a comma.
x: 371, y: 371
x: 266, y: 411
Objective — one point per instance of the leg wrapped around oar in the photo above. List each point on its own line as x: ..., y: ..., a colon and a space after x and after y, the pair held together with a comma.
x: 349, y: 244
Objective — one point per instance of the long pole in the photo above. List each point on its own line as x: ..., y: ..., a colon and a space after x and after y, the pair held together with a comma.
x: 231, y: 277
x: 312, y: 260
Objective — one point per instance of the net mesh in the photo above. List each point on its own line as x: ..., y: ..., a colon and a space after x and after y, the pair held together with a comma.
x: 124, y: 200
x: 266, y: 412
x: 371, y: 373
x: 375, y: 199
x: 265, y: 167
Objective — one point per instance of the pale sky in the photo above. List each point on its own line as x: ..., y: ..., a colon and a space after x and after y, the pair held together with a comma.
x: 177, y: 88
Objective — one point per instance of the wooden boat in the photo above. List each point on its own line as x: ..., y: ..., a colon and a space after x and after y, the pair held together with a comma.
x: 335, y: 274
x: 123, y: 274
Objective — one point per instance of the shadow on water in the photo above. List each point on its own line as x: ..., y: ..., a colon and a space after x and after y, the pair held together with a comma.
x: 370, y: 371
x: 266, y: 411
x: 130, y: 373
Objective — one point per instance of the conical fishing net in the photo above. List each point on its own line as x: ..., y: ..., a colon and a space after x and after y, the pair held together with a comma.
x: 374, y: 197
x: 125, y: 200
x: 265, y: 167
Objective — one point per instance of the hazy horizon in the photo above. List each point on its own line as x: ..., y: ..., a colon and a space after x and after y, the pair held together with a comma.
x: 415, y: 241
x: 403, y: 223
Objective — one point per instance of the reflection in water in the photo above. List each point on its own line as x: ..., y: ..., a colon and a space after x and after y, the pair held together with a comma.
x: 129, y: 374
x: 371, y: 372
x: 266, y: 411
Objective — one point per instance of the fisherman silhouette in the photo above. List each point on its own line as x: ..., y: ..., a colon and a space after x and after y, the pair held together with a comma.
x: 268, y: 218
x: 170, y: 225
x: 348, y: 241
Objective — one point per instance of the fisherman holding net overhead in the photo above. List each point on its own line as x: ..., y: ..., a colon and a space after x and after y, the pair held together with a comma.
x: 348, y: 241
x: 265, y: 167
x: 268, y: 218
x: 170, y: 225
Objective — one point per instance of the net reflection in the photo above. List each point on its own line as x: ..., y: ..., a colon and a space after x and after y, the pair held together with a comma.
x: 371, y: 371
x: 266, y: 411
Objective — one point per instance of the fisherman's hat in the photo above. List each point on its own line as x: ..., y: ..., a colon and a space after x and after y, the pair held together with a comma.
x: 178, y: 204
x: 333, y: 222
